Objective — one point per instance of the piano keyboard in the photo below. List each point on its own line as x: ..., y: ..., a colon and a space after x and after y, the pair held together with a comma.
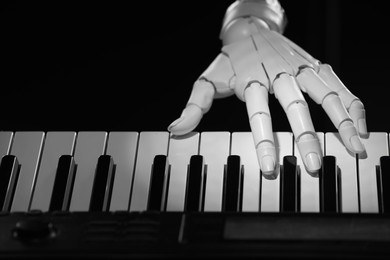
x: 205, y: 172
x: 132, y: 195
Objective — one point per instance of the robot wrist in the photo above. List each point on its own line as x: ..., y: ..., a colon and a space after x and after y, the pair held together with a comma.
x: 269, y: 11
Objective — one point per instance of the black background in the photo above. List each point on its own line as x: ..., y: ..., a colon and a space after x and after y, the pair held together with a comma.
x: 130, y: 65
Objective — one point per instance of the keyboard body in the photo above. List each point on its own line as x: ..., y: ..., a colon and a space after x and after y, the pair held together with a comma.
x: 155, y: 235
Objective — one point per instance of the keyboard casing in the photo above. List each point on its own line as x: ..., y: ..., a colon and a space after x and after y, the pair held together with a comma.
x: 152, y: 235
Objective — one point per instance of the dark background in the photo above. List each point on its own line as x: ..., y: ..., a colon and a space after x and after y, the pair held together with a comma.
x: 130, y: 65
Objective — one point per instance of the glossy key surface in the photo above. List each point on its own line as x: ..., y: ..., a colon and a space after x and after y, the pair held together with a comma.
x: 290, y: 195
x: 243, y: 146
x: 368, y: 164
x: 347, y: 170
x: 89, y: 146
x: 181, y: 148
x: 215, y: 148
x: 122, y: 146
x: 102, y: 184
x: 329, y: 188
x: 232, y: 185
x: 194, y: 189
x: 270, y: 188
x: 63, y: 184
x: 385, y: 184
x: 56, y: 145
x: 158, y: 183
x: 309, y: 185
x: 27, y: 147
x: 150, y: 144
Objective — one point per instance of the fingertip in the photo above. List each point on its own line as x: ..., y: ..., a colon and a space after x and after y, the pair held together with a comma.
x: 356, y: 145
x: 313, y: 164
x: 172, y: 126
x: 180, y: 127
x: 267, y: 165
x: 270, y: 175
x: 350, y: 135
x: 266, y: 156
x: 187, y: 122
x: 358, y: 115
x: 362, y: 127
x: 311, y: 153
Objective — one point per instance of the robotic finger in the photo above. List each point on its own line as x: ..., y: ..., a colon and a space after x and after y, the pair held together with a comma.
x: 199, y: 103
x: 213, y: 83
x: 319, y: 91
x: 256, y: 100
x: 291, y: 99
x: 354, y: 106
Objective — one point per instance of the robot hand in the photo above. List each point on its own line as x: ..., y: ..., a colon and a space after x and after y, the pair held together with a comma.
x: 255, y: 61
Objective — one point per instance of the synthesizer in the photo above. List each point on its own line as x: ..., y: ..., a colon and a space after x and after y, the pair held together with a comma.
x: 151, y: 194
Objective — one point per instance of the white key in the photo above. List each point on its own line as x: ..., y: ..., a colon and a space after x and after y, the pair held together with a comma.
x: 89, y: 146
x: 346, y: 163
x: 243, y: 146
x: 180, y: 151
x: 150, y: 144
x: 27, y: 147
x: 270, y: 189
x: 56, y: 144
x: 5, y: 142
x: 310, y: 186
x: 122, y: 146
x: 214, y: 146
x: 376, y: 146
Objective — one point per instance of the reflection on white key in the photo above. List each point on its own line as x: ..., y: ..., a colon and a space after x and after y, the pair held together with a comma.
x: 214, y: 146
x: 310, y: 186
x: 376, y: 146
x: 180, y: 151
x: 243, y: 145
x: 122, y: 146
x: 346, y: 163
x: 150, y: 144
x: 270, y: 189
x: 27, y: 148
x: 5, y: 142
x: 89, y: 146
x: 56, y: 144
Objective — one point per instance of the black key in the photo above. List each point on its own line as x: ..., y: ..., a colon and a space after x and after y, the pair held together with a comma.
x: 385, y: 183
x: 194, y: 184
x: 232, y: 184
x: 328, y: 185
x: 102, y: 184
x: 9, y: 171
x: 63, y: 184
x: 156, y: 199
x: 289, y: 185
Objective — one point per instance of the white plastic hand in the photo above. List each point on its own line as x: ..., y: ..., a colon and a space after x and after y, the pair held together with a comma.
x: 256, y: 61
